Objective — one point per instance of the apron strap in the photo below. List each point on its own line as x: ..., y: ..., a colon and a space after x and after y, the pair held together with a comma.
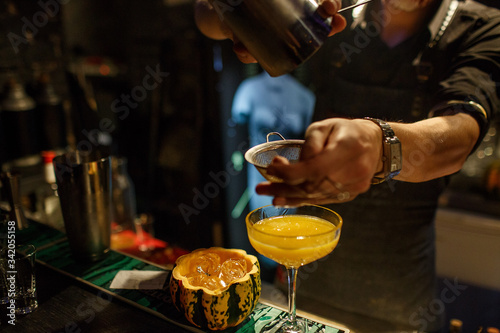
x: 423, y: 61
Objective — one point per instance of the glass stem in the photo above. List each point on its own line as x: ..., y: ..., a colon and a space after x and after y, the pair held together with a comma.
x: 292, y: 281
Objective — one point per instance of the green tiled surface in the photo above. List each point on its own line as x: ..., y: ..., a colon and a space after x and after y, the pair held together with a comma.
x: 54, y: 251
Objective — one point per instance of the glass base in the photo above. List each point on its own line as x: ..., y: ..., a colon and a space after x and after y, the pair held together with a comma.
x: 26, y: 305
x: 299, y: 326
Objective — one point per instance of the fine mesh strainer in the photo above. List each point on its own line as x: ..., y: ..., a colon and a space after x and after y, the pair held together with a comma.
x: 262, y: 155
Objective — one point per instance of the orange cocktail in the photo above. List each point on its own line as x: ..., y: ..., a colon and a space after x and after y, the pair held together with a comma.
x: 293, y: 240
x: 293, y: 237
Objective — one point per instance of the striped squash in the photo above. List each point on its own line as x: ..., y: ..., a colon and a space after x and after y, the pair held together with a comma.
x: 223, y: 307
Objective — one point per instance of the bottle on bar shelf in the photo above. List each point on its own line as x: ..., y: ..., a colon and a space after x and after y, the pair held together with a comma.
x: 47, y: 199
x: 50, y: 115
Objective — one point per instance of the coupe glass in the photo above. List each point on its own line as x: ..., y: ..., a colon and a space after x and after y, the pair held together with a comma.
x: 293, y: 237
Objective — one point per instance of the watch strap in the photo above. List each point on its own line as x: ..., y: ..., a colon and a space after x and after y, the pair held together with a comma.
x: 391, y: 152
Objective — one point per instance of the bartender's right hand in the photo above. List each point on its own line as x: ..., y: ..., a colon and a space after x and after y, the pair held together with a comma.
x: 210, y: 24
x: 337, y: 163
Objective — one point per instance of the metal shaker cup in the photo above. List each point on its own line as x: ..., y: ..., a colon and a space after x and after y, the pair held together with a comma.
x: 280, y: 34
x: 84, y: 188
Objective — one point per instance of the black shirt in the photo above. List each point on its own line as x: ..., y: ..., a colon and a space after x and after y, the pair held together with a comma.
x: 383, y: 266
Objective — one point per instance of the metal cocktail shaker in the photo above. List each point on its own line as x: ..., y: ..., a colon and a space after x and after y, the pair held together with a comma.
x: 280, y: 34
x: 84, y: 188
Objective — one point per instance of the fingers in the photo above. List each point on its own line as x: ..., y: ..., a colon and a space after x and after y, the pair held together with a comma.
x: 293, y: 196
x: 242, y: 52
x: 316, y: 139
x: 314, y: 162
x: 329, y: 8
x: 314, y: 144
x: 291, y: 202
x: 302, y: 180
x: 338, y: 24
x: 305, y: 182
x: 281, y: 168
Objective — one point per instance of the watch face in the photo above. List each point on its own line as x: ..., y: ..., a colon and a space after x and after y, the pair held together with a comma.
x: 392, y: 156
x: 395, y: 157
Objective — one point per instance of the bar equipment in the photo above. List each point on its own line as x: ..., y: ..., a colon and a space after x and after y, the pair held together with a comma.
x: 84, y: 187
x: 11, y: 192
x: 48, y: 205
x: 144, y: 228
x: 280, y: 34
x: 124, y: 199
x: 262, y: 155
x: 50, y: 115
x: 17, y: 271
x: 18, y: 120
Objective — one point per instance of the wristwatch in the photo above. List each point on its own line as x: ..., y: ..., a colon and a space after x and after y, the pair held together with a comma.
x: 391, y: 156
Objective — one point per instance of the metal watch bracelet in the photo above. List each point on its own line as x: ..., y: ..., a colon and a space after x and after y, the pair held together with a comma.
x: 391, y: 154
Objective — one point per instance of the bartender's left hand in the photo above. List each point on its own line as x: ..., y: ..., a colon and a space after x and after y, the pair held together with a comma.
x: 337, y: 163
x: 210, y: 24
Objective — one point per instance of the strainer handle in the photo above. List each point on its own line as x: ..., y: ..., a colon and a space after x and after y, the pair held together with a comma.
x: 275, y: 133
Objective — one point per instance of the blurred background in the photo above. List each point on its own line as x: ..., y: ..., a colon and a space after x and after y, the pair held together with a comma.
x: 131, y: 79
x: 137, y: 80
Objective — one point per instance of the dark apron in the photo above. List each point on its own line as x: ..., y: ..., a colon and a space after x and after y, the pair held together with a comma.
x: 384, y: 264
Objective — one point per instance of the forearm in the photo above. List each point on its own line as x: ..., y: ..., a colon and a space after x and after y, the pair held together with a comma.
x: 435, y: 147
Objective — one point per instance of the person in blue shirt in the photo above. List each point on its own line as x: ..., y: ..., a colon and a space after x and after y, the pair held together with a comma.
x: 271, y: 104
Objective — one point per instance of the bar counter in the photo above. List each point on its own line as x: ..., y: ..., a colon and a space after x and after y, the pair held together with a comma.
x: 76, y: 297
x: 67, y: 305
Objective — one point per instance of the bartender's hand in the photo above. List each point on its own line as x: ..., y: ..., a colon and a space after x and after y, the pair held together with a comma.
x: 340, y: 157
x: 338, y: 161
x: 210, y: 24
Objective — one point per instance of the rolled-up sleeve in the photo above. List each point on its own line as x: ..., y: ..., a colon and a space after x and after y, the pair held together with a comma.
x: 472, y: 85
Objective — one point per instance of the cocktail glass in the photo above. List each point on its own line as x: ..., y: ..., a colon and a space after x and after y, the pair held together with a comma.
x: 293, y: 237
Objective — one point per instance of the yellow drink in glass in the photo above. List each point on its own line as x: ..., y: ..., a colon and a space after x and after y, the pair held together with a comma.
x: 293, y: 237
x: 293, y: 240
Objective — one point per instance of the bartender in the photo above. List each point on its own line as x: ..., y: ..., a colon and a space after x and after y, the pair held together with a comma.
x: 426, y: 73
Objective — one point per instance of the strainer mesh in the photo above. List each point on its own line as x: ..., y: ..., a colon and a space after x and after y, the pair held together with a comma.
x: 265, y: 156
